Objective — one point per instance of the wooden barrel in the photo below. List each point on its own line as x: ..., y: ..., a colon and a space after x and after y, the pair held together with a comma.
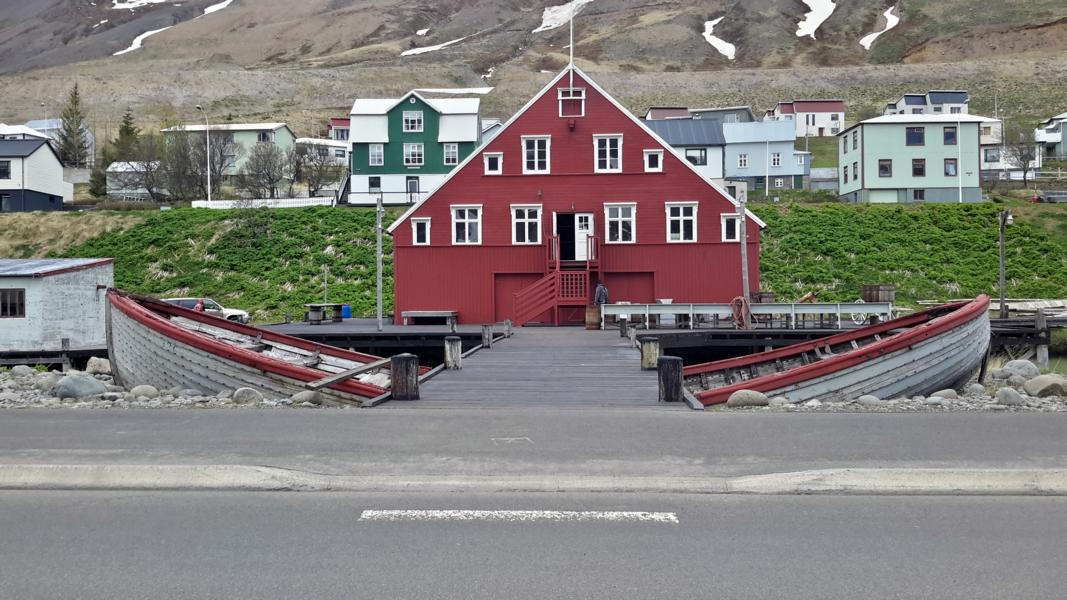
x: 592, y: 317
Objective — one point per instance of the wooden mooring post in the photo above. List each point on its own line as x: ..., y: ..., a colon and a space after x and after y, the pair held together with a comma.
x: 487, y: 336
x: 669, y: 369
x: 453, y: 352
x: 650, y: 353
x: 507, y: 328
x: 1041, y: 324
x: 623, y: 327
x: 404, y: 371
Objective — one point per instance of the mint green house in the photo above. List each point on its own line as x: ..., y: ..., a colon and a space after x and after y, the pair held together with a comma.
x: 911, y: 158
x: 403, y: 148
x: 245, y: 136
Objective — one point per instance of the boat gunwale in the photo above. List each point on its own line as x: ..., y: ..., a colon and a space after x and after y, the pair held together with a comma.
x: 134, y: 307
x: 962, y: 312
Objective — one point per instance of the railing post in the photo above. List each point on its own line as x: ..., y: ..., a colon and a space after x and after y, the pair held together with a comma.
x: 453, y: 353
x: 404, y: 372
x: 671, y: 386
x: 487, y: 336
x: 507, y: 327
x: 1041, y: 324
x: 650, y: 353
x: 623, y: 326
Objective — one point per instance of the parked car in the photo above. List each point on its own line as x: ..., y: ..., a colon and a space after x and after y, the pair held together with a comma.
x: 212, y: 308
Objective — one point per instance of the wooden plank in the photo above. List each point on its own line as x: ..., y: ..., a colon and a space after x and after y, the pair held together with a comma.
x: 318, y: 384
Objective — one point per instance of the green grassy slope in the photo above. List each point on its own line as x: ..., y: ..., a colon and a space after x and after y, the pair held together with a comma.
x: 268, y: 262
x: 930, y: 252
x: 823, y: 151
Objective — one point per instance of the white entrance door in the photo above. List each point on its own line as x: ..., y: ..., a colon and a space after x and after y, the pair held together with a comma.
x: 583, y: 229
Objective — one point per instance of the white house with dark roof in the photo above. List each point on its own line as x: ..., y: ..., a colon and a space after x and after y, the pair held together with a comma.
x: 31, y: 177
x: 20, y: 132
x: 811, y: 118
x: 1050, y: 135
x: 934, y: 102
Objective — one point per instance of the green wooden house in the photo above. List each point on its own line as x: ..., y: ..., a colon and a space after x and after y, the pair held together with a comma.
x: 912, y: 158
x: 403, y: 148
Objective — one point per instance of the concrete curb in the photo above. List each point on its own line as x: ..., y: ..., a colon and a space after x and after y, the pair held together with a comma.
x: 896, y: 482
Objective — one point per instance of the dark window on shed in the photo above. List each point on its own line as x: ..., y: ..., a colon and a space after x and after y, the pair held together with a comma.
x: 916, y: 136
x: 12, y: 304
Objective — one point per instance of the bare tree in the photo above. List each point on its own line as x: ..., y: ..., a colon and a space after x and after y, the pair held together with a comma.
x: 1020, y: 149
x: 146, y: 171
x: 320, y: 169
x: 295, y: 163
x: 224, y: 155
x: 180, y: 173
x: 264, y: 171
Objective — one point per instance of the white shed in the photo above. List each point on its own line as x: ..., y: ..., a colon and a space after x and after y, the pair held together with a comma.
x: 50, y: 306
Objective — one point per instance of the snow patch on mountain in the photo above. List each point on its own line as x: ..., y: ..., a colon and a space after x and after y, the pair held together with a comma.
x: 132, y: 4
x: 891, y: 21
x: 138, y: 40
x: 820, y: 11
x: 426, y: 49
x: 217, y: 7
x: 725, y: 48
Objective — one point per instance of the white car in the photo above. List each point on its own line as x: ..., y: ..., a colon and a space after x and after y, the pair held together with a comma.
x: 212, y: 308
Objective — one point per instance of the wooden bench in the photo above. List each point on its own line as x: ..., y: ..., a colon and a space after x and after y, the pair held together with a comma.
x: 450, y: 316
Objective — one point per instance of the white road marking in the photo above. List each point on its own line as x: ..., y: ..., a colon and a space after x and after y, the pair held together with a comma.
x: 520, y: 516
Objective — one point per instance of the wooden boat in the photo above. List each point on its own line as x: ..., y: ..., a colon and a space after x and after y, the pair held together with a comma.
x: 166, y: 346
x: 917, y: 354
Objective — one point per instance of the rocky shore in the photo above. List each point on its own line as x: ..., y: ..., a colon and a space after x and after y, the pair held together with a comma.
x: 1018, y: 386
x: 94, y: 388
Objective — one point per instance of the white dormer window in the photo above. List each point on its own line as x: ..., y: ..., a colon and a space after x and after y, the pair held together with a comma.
x: 607, y: 153
x: 412, y: 121
x: 571, y: 102
x: 653, y: 161
x: 536, y: 155
x: 494, y: 163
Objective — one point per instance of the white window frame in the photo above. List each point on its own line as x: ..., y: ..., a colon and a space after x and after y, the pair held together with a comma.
x: 422, y: 154
x: 456, y: 207
x: 779, y: 183
x: 800, y: 159
x: 515, y: 221
x: 415, y: 231
x: 569, y: 93
x: 776, y: 159
x: 413, y: 116
x: 548, y: 154
x: 681, y: 218
x: 454, y: 155
x: 596, y: 152
x: 380, y: 155
x: 723, y: 218
x: 499, y: 162
x: 657, y: 153
x: 607, y: 222
x: 742, y: 161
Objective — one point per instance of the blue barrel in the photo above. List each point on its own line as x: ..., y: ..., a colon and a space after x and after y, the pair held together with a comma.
x: 346, y: 311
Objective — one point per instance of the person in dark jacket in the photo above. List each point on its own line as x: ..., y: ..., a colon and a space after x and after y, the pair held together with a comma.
x: 601, y: 294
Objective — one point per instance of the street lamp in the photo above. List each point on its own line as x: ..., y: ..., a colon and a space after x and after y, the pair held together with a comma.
x: 1005, y: 219
x: 207, y: 136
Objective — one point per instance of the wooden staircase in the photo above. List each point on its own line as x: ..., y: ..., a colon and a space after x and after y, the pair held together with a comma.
x: 562, y: 286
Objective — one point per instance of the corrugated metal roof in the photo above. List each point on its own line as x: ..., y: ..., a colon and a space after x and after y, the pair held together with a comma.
x: 759, y: 131
x: 20, y: 148
x: 41, y: 267
x: 688, y: 132
x: 948, y: 97
x: 931, y: 118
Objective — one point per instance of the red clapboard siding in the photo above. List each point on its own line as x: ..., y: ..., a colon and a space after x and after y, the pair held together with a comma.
x: 443, y: 276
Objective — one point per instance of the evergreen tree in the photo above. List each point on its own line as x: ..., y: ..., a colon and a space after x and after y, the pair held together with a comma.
x: 73, y: 147
x: 98, y: 177
x: 126, y: 144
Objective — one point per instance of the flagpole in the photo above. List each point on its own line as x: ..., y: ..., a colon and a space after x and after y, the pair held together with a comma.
x: 571, y: 67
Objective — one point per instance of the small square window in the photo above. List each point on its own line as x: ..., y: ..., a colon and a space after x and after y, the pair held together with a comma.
x: 950, y: 136
x: 571, y: 102
x: 951, y: 167
x: 420, y: 232
x: 681, y: 222
x: 779, y: 182
x: 608, y: 154
x: 697, y: 156
x: 525, y: 224
x: 466, y: 225
x: 413, y: 155
x: 918, y: 194
x: 412, y: 121
x: 653, y: 161
x: 915, y: 136
x: 918, y: 167
x: 885, y: 167
x: 264, y: 136
x: 374, y: 184
x: 619, y: 221
x: 494, y: 163
x: 12, y: 303
x: 536, y: 157
x: 955, y: 110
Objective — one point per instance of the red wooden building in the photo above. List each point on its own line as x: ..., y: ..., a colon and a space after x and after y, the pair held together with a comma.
x: 574, y: 189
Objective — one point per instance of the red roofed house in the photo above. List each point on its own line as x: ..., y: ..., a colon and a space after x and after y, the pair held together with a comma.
x: 574, y: 189
x: 339, y: 127
x: 818, y: 118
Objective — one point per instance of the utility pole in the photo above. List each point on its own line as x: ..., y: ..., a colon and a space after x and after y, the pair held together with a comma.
x: 325, y: 284
x: 379, y: 212
x: 959, y: 153
x: 743, y: 234
x: 1005, y: 219
x: 207, y: 137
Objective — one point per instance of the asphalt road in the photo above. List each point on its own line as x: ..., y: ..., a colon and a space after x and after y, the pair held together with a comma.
x: 636, y: 442
x: 97, y: 545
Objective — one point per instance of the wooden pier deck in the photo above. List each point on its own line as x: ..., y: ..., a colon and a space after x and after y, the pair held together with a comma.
x: 546, y: 366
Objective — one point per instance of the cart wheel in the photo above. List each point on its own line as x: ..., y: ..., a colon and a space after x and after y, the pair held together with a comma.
x: 860, y: 318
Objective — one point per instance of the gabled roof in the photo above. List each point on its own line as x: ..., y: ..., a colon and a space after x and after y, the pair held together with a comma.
x: 20, y: 148
x: 340, y: 121
x: 688, y: 132
x: 667, y: 147
x: 445, y: 106
x: 229, y: 127
x: 1057, y: 118
x: 948, y: 97
x: 759, y: 132
x: 786, y: 108
x: 43, y: 267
